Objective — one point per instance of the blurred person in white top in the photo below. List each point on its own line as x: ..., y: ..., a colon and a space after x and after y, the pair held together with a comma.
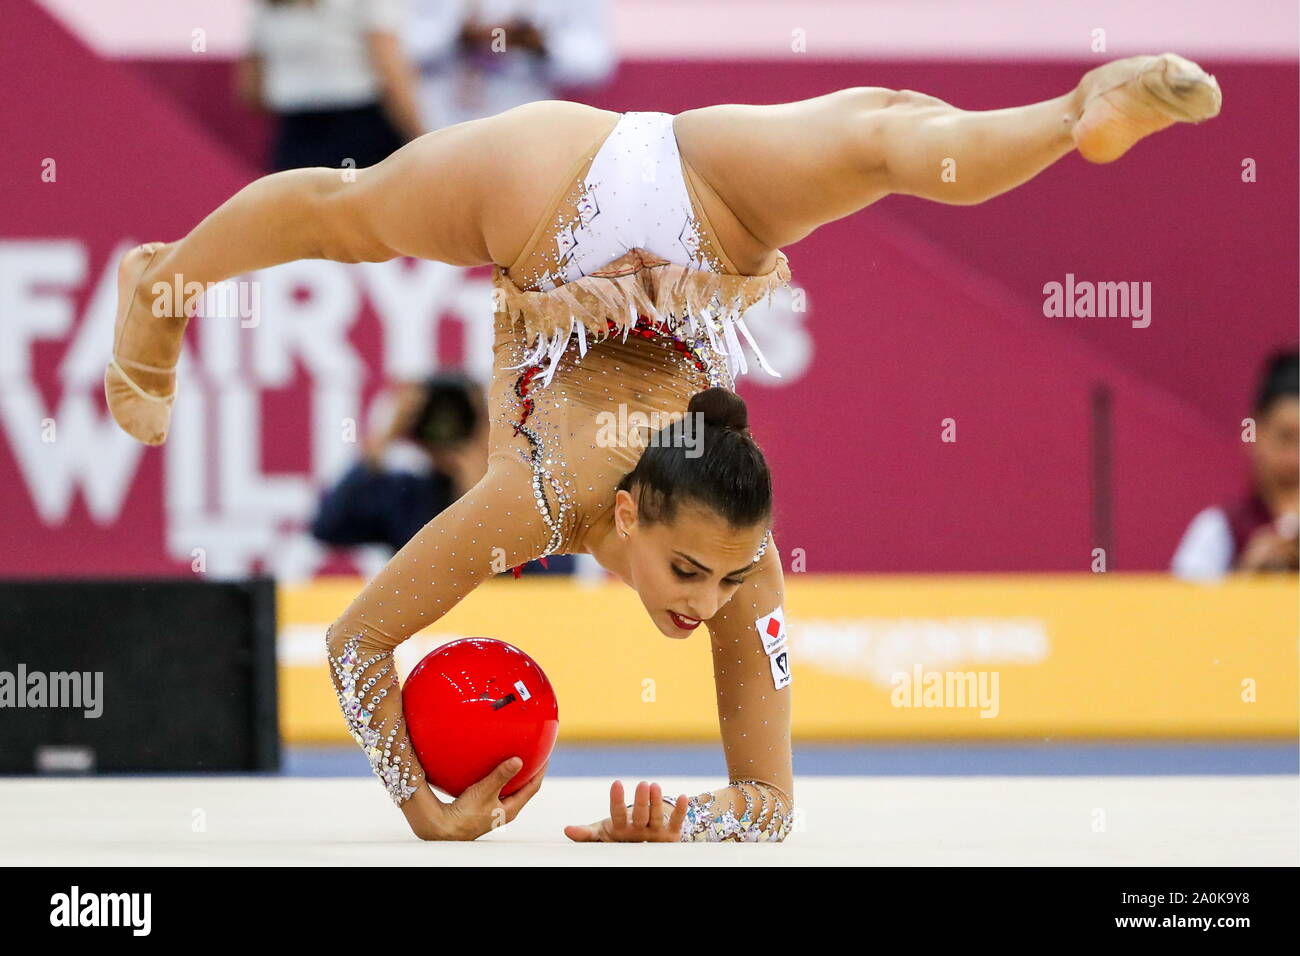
x: 481, y: 57
x: 335, y: 74
x: 1260, y: 531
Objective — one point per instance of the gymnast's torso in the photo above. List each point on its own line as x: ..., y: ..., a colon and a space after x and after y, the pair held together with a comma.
x: 620, y: 306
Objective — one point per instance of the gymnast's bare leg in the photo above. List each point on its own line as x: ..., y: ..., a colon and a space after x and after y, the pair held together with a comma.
x: 471, y: 194
x: 784, y: 170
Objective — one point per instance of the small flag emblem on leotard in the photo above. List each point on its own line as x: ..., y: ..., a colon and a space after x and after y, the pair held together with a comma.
x: 771, y: 630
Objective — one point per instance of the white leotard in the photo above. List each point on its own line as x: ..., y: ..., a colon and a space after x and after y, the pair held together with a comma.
x: 627, y: 241
x: 635, y: 196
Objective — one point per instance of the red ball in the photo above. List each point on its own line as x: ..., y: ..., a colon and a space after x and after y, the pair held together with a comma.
x: 474, y: 703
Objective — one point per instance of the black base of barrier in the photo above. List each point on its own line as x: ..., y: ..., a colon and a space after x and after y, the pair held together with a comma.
x: 137, y: 675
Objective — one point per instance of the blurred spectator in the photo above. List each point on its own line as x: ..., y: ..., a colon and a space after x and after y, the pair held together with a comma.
x: 1260, y: 532
x: 480, y: 57
x: 336, y: 76
x: 445, y: 418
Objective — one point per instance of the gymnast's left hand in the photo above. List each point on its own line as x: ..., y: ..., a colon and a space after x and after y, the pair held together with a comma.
x: 646, y: 821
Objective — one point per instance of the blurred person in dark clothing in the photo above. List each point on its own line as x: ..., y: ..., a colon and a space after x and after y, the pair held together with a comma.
x: 446, y: 419
x: 336, y: 74
x: 1260, y: 531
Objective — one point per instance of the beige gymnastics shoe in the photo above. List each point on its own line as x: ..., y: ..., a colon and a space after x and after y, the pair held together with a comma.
x: 1138, y: 96
x: 140, y: 380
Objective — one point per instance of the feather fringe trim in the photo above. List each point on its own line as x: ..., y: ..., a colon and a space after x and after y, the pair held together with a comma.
x: 673, y: 297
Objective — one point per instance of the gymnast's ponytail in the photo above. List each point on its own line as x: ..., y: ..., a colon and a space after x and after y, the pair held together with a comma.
x: 708, y: 459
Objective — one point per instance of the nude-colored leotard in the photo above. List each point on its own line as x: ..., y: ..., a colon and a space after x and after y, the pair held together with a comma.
x: 561, y: 357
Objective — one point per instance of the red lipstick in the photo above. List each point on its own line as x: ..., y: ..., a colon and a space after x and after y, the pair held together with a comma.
x: 684, y: 623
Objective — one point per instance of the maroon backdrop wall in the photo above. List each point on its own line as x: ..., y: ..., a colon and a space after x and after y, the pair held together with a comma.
x: 916, y: 314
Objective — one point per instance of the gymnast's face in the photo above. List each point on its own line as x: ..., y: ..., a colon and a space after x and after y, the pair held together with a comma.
x: 687, y: 569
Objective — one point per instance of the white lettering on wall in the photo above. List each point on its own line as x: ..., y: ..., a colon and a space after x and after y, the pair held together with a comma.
x: 218, y: 494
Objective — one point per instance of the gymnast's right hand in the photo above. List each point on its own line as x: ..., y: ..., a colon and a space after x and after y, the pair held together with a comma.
x: 479, y: 809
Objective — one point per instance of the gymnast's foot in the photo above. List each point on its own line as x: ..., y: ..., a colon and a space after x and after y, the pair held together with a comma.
x: 140, y: 381
x: 1131, y: 98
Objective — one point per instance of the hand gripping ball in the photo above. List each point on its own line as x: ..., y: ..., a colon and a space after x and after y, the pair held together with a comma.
x: 473, y: 703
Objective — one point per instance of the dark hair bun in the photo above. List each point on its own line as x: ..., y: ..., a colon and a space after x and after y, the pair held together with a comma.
x: 732, y: 480
x: 721, y: 407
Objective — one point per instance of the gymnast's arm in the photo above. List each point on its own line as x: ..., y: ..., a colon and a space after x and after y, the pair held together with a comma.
x: 754, y: 718
x: 495, y: 525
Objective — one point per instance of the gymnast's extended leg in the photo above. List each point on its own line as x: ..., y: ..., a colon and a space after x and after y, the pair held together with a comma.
x: 786, y: 169
x: 452, y: 196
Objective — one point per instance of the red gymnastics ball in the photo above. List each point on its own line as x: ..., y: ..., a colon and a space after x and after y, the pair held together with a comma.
x: 474, y: 703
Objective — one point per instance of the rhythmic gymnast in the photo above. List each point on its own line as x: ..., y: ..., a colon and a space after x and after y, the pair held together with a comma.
x: 626, y: 248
